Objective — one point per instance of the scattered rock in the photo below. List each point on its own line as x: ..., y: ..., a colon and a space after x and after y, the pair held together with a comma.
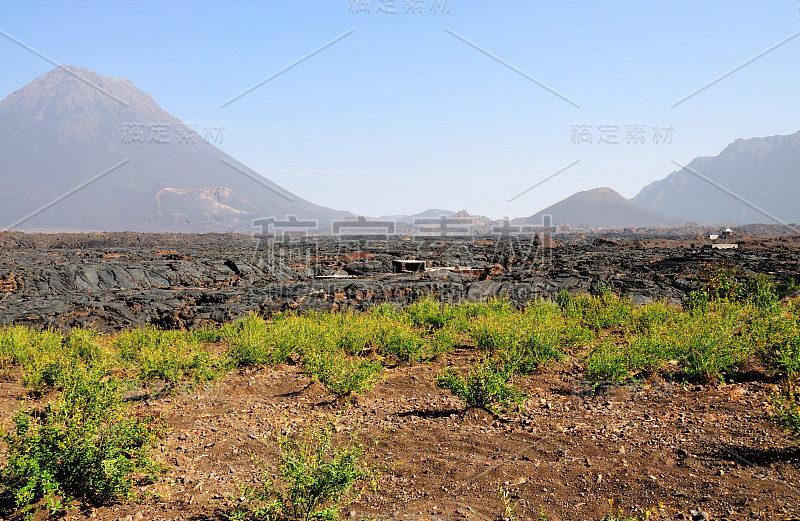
x: 181, y: 460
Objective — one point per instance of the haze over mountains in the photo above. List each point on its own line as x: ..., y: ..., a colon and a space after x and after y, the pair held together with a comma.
x: 602, y: 208
x: 79, y: 151
x: 71, y: 125
x: 763, y: 171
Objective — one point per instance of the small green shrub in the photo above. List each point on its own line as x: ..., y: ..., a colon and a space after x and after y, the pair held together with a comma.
x: 788, y: 358
x: 383, y: 311
x: 171, y: 356
x: 530, y: 352
x: 714, y: 357
x: 696, y: 300
x: 401, y: 341
x: 84, y: 445
x: 725, y: 282
x: 761, y: 291
x: 607, y: 310
x: 655, y: 318
x: 341, y: 375
x: 443, y: 341
x: 786, y: 412
x: 252, y: 341
x: 21, y: 346
x: 49, y: 361
x: 206, y: 335
x: 351, y: 333
x: 722, y: 281
x: 607, y: 361
x: 429, y: 313
x: 486, y: 386
x: 493, y: 334
x: 315, y: 479
x: 565, y: 300
x: 788, y: 287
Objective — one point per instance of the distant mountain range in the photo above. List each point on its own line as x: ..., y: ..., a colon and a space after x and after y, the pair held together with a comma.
x: 764, y: 172
x: 434, y: 213
x: 752, y: 181
x: 601, y: 208
x: 79, y: 151
x: 147, y: 171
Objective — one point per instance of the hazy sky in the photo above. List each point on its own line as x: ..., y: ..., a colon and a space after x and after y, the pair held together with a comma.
x: 445, y: 104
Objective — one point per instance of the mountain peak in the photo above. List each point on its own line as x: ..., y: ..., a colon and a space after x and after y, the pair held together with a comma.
x: 71, y: 124
x: 602, y: 208
x: 762, y: 170
x: 601, y: 193
x: 71, y: 90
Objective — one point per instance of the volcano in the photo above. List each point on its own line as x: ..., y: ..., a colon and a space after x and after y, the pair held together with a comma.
x: 79, y: 151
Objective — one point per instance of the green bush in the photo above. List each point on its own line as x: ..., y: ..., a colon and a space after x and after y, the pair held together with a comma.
x: 351, y: 333
x: 788, y: 357
x: 252, y: 341
x: 607, y: 361
x: 20, y: 346
x: 717, y: 343
x: 607, y: 310
x: 400, y: 340
x: 494, y: 334
x: 315, y: 479
x: 696, y: 300
x: 530, y: 352
x: 526, y: 340
x: 786, y: 412
x: 655, y: 318
x: 171, y: 356
x: 206, y: 335
x: 84, y: 445
x: 486, y: 386
x: 52, y: 356
x: 761, y: 291
x: 383, y: 311
x: 341, y: 375
x: 788, y: 287
x: 567, y: 302
x: 443, y: 341
x: 724, y: 282
x: 429, y: 313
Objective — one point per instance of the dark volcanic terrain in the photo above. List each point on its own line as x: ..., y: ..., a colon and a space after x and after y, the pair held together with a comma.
x: 113, y: 281
x: 680, y: 450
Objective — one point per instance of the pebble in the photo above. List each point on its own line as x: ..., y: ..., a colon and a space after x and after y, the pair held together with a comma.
x: 181, y: 460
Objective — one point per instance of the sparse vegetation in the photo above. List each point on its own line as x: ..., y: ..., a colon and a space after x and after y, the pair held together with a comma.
x: 315, y: 478
x: 342, y: 375
x: 509, y: 505
x: 724, y: 282
x: 170, y: 356
x: 84, y: 445
x: 487, y: 385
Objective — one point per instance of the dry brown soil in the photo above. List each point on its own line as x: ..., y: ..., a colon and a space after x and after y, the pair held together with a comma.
x: 683, y: 446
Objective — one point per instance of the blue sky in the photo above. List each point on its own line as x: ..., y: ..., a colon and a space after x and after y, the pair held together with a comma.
x: 402, y: 114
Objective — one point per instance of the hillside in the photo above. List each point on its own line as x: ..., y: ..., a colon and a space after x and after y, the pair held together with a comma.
x: 123, y: 163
